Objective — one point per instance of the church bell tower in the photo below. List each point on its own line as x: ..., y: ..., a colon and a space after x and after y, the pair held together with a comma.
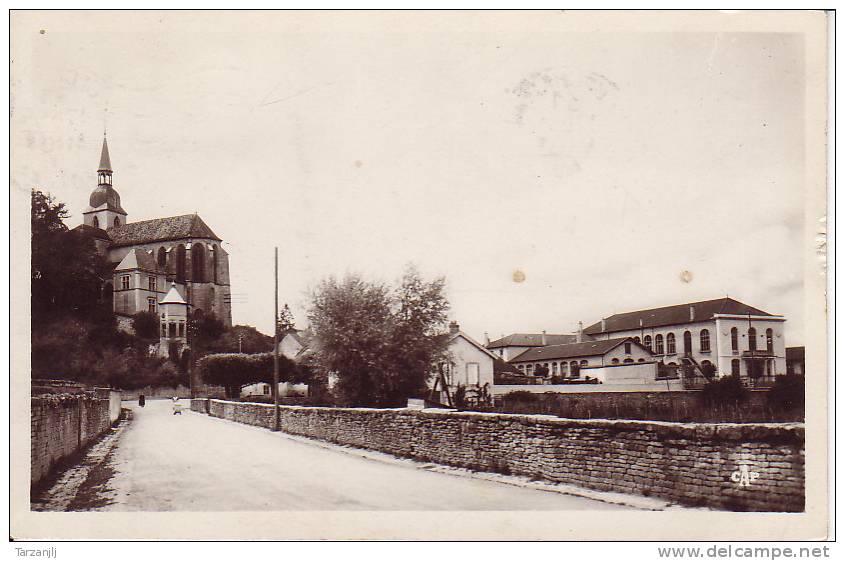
x: 104, y: 210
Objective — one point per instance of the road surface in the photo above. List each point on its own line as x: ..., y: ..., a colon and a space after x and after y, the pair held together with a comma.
x: 193, y: 462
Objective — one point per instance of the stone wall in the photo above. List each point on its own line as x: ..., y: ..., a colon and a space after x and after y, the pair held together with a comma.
x: 693, y: 464
x: 62, y: 424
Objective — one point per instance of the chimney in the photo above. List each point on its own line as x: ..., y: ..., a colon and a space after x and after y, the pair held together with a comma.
x: 603, y: 324
x: 692, y: 313
x: 454, y: 328
x: 545, y: 340
x: 579, y: 338
x: 486, y: 338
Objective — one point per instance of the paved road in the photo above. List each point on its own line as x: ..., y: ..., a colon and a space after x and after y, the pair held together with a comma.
x: 194, y: 462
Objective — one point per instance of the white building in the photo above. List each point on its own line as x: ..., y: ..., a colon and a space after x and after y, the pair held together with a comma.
x: 470, y: 366
x: 732, y: 337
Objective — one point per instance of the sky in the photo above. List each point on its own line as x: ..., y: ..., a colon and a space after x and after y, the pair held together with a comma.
x: 551, y: 175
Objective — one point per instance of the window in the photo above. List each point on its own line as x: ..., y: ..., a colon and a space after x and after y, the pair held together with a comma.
x: 152, y: 284
x: 116, y: 221
x: 670, y: 344
x: 529, y: 368
x: 554, y: 369
x: 637, y: 340
x: 164, y: 330
x: 687, y: 342
x: 735, y: 367
x: 96, y: 222
x: 614, y: 361
x: 472, y: 373
x: 582, y: 363
x: 563, y: 368
x: 171, y: 329
x: 704, y: 340
x: 770, y: 344
x: 266, y: 389
x: 734, y: 340
x: 658, y: 344
x: 151, y: 305
x: 752, y: 339
x: 124, y: 282
x: 629, y: 361
x: 641, y: 360
x: 162, y: 257
x: 647, y: 342
x: 521, y: 367
x: 627, y: 348
x: 768, y: 368
x: 574, y: 369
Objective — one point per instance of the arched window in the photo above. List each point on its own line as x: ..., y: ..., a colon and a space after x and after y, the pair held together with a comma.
x: 214, y: 252
x: 614, y: 361
x: 734, y: 339
x: 583, y: 363
x: 563, y: 368
x: 162, y: 257
x: 670, y: 344
x: 770, y: 343
x: 96, y: 222
x: 704, y: 340
x: 629, y: 360
x: 647, y: 342
x: 641, y: 360
x: 658, y: 344
x: 637, y: 340
x: 752, y: 339
x: 735, y: 367
x: 687, y: 342
x: 198, y: 263
x: 574, y: 369
x: 180, y: 263
x: 116, y: 221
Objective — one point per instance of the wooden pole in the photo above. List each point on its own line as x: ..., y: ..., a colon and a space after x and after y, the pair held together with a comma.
x: 276, y: 412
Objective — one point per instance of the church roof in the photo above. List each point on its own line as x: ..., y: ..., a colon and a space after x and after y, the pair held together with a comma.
x: 182, y: 227
x: 138, y: 259
x: 105, y: 161
x: 173, y: 296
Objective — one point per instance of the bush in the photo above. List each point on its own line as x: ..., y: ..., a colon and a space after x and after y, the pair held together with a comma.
x: 460, y: 397
x: 724, y: 391
x: 787, y: 393
x: 234, y: 370
x: 145, y: 325
x: 521, y: 395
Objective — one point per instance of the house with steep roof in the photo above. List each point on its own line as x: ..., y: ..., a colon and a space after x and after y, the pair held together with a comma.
x: 149, y: 254
x: 510, y: 346
x: 723, y: 334
x: 470, y: 366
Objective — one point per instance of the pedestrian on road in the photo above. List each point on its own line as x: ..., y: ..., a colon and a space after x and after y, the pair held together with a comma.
x: 177, y: 407
x: 141, y: 400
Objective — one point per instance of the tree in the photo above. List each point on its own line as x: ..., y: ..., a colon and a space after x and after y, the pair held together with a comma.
x: 146, y: 326
x: 67, y: 272
x: 284, y: 322
x: 242, y: 338
x: 235, y: 370
x: 380, y: 343
x: 541, y: 370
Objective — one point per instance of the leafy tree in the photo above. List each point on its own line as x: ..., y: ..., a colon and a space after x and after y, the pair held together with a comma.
x: 708, y: 370
x: 67, y: 272
x: 541, y: 370
x: 242, y: 338
x: 146, y: 326
x: 379, y: 342
x: 235, y: 370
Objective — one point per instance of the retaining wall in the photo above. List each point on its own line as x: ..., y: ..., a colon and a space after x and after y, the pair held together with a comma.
x: 694, y: 464
x: 62, y: 424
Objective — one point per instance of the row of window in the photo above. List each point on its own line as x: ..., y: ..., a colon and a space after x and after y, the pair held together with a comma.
x: 735, y: 368
x: 657, y: 344
x: 173, y: 329
x: 554, y: 368
x: 198, y: 262
x: 126, y: 282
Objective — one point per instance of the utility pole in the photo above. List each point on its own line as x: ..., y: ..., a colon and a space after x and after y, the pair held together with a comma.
x: 276, y: 412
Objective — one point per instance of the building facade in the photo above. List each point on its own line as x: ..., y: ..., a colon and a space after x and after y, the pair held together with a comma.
x: 570, y: 360
x: 509, y: 347
x: 723, y: 334
x: 150, y: 255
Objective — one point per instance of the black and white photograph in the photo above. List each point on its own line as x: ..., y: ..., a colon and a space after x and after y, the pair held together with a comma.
x: 436, y: 275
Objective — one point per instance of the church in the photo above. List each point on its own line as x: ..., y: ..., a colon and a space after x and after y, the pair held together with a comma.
x: 156, y: 262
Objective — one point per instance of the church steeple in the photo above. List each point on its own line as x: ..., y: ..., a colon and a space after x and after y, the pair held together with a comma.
x: 104, y: 172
